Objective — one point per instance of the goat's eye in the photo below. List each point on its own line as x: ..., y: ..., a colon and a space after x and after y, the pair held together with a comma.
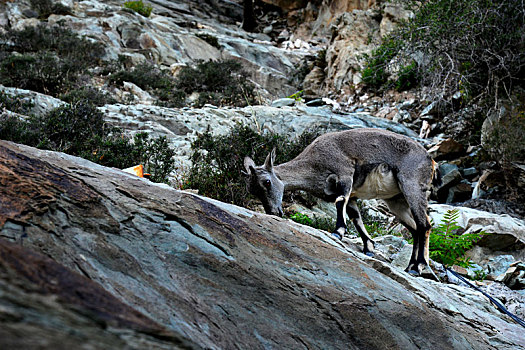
x: 267, y: 183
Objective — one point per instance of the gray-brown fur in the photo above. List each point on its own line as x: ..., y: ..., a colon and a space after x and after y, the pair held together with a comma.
x: 346, y: 165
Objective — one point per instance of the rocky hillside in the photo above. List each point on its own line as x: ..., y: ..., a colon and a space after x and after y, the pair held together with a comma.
x: 91, y: 255
x: 94, y: 255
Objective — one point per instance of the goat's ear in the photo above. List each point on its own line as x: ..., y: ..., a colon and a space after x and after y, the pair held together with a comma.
x: 249, y: 165
x: 270, y: 159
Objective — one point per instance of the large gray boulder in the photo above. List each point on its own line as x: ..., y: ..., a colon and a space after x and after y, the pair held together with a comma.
x: 223, y: 276
x: 504, y: 233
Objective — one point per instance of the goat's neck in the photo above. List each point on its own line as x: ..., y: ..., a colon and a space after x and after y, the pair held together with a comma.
x: 292, y: 174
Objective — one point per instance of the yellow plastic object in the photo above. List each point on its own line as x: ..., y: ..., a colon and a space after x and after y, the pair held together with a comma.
x: 137, y: 170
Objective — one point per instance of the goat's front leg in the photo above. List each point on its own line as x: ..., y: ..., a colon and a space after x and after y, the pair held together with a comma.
x: 345, y: 188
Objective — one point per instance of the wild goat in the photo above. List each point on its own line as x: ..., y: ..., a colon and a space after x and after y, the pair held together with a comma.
x: 361, y: 163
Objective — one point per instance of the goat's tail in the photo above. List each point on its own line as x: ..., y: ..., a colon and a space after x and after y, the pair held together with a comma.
x: 436, y: 175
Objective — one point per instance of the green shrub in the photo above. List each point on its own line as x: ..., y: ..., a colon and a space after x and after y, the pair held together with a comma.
x: 156, y: 155
x: 408, y: 77
x: 139, y: 7
x: 12, y: 128
x: 46, y: 8
x: 62, y: 41
x: 42, y: 72
x: 324, y: 224
x: 15, y: 104
x: 79, y: 129
x: 150, y: 78
x: 210, y: 39
x: 473, y: 46
x: 145, y: 75
x: 68, y: 128
x: 447, y: 246
x: 375, y: 73
x: 217, y: 161
x: 218, y: 82
x: 377, y: 228
x: 89, y: 95
x: 45, y: 59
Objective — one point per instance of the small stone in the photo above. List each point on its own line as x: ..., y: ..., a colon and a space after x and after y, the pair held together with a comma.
x: 282, y: 102
x: 459, y: 193
x: 429, y: 110
x: 470, y: 172
x: 268, y: 29
x: 446, y: 149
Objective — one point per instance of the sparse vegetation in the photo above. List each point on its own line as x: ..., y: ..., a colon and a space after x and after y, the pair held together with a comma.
x: 325, y: 224
x: 46, y: 8
x: 47, y: 59
x: 88, y: 94
x: 218, y: 160
x: 79, y: 129
x: 210, y: 39
x: 473, y: 46
x: 138, y: 7
x: 220, y: 83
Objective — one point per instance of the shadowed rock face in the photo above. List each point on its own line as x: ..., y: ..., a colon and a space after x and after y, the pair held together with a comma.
x: 161, y: 266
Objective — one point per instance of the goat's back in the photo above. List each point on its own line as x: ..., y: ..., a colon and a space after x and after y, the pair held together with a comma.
x: 367, y: 146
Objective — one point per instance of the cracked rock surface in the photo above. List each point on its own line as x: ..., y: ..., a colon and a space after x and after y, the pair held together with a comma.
x: 113, y: 261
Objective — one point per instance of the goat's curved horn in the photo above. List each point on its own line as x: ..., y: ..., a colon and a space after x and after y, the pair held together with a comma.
x: 268, y: 163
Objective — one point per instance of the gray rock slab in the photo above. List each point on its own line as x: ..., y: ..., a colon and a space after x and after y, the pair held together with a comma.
x: 224, y: 276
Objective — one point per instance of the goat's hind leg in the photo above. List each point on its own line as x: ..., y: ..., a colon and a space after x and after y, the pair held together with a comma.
x: 353, y: 213
x: 414, y: 206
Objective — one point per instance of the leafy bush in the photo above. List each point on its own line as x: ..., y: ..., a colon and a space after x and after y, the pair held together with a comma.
x: 375, y: 73
x: 377, y: 228
x: 46, y: 8
x: 15, y: 104
x: 139, y: 7
x: 217, y: 161
x: 447, y: 246
x: 210, y: 39
x: 474, y: 46
x: 156, y: 155
x: 79, y: 129
x: 325, y: 224
x: 149, y: 77
x: 45, y: 59
x: 145, y: 75
x: 218, y: 82
x: 89, y: 95
x: 407, y: 77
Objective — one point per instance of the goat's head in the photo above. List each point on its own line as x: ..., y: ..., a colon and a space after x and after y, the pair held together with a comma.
x: 262, y: 182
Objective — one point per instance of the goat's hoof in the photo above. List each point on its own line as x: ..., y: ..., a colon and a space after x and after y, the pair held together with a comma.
x: 370, y: 254
x: 337, y: 235
x: 413, y: 273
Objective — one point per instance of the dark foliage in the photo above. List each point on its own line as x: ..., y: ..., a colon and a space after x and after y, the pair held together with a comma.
x: 47, y: 59
x: 476, y: 47
x: 145, y: 75
x: 46, y: 8
x: 218, y: 160
x: 218, y: 82
x: 210, y: 39
x: 149, y: 77
x: 88, y: 95
x: 79, y: 129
